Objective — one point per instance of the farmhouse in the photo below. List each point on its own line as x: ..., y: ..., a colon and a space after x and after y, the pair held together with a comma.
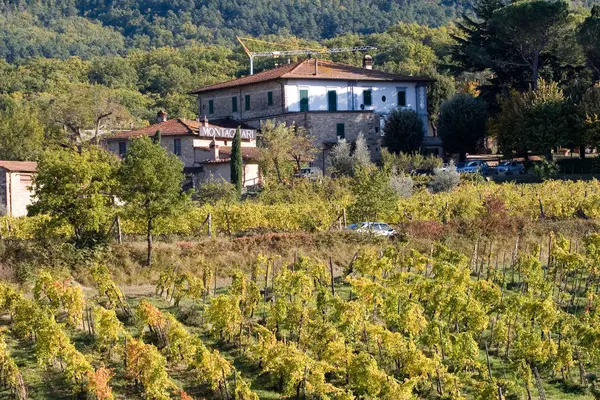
x: 203, y: 147
x: 332, y: 100
x: 16, y: 178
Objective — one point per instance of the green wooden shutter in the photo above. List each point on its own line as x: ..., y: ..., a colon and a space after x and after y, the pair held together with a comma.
x: 247, y: 102
x: 303, y: 100
x: 367, y: 98
x: 341, y: 131
x: 211, y: 107
x: 332, y: 99
x: 234, y: 104
x: 270, y: 98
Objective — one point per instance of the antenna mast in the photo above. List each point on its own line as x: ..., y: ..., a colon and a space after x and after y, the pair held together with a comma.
x: 276, y: 53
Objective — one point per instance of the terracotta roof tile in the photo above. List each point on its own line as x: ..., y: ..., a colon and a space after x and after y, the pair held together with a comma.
x: 306, y: 70
x: 19, y: 166
x: 172, y: 127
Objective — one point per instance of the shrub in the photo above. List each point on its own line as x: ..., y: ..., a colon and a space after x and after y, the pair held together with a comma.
x: 445, y: 180
x: 401, y: 184
x: 403, y: 131
x: 341, y: 159
x: 212, y: 190
x: 545, y: 170
x: 462, y: 124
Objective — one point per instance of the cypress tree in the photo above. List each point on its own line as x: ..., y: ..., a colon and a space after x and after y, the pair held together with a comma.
x: 157, y: 137
x: 237, y: 167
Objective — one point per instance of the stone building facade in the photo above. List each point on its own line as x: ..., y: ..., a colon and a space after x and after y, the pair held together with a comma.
x: 16, y: 192
x: 332, y: 100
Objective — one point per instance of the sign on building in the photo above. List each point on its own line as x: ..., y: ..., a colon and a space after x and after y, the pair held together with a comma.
x: 226, y: 133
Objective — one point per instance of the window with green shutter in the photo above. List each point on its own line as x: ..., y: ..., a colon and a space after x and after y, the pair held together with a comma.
x: 368, y: 97
x: 270, y: 98
x: 247, y: 102
x: 234, y: 104
x: 402, y: 98
x: 341, y: 131
x: 303, y: 100
x: 332, y: 100
x: 211, y: 107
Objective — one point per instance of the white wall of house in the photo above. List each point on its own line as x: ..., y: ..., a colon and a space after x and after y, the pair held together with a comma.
x: 16, y: 192
x: 349, y: 96
x: 222, y: 170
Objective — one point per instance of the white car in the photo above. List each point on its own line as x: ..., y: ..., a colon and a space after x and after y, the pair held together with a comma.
x: 310, y: 173
x: 477, y: 166
x: 376, y: 228
x: 511, y: 168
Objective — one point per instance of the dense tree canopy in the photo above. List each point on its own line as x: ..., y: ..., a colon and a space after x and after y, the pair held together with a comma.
x: 463, y: 124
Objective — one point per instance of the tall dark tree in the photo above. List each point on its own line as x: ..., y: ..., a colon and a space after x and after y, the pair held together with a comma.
x: 403, y: 131
x: 516, y: 42
x: 588, y: 36
x: 237, y: 163
x: 528, y: 28
x: 463, y: 124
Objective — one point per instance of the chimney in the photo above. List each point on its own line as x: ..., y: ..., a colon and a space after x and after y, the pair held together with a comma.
x: 367, y: 62
x: 213, y: 151
x: 161, y: 116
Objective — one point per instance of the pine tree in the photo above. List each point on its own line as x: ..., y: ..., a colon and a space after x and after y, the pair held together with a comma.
x: 237, y: 166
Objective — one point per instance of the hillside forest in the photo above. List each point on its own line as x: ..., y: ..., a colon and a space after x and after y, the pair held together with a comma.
x: 67, y: 64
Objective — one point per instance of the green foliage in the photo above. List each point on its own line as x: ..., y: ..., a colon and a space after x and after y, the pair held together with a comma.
x: 214, y: 190
x: 403, y: 131
x: 77, y: 188
x: 587, y: 37
x: 462, y: 124
x: 373, y: 195
x: 528, y: 29
x: 22, y: 135
x: 534, y: 121
x: 150, y: 184
x: 545, y: 169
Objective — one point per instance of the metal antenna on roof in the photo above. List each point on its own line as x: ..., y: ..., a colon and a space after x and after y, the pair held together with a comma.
x: 295, y: 52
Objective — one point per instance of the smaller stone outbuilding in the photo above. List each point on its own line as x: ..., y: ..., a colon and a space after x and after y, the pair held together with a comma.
x: 203, y: 147
x: 16, y: 180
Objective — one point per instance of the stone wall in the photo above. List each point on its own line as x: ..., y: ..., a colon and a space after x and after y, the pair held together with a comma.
x: 323, y: 125
x: 259, y: 107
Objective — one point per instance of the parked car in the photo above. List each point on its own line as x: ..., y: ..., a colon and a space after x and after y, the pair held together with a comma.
x: 476, y: 166
x: 511, y: 168
x: 310, y: 173
x: 376, y: 228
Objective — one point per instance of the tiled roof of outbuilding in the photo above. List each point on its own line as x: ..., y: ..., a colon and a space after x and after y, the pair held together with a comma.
x: 19, y: 166
x: 306, y: 70
x: 172, y: 127
x: 176, y: 127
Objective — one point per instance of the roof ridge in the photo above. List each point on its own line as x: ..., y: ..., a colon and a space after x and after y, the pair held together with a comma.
x: 182, y: 121
x: 298, y: 64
